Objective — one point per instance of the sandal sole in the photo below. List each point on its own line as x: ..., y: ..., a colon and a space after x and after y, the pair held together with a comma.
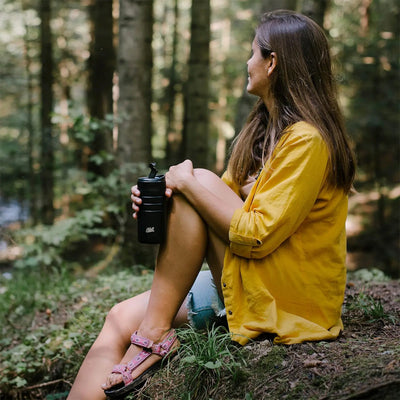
x: 136, y: 384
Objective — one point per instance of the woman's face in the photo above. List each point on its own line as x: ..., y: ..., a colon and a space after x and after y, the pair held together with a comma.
x: 257, y: 69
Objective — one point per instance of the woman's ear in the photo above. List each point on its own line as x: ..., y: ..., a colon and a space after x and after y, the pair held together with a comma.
x: 272, y: 62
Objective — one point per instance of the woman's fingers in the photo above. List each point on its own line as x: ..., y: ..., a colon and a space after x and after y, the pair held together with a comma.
x: 168, y: 192
x: 136, y: 200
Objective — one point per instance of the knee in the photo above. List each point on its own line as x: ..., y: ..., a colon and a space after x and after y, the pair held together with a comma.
x: 205, y: 176
x: 115, y: 314
x: 127, y: 315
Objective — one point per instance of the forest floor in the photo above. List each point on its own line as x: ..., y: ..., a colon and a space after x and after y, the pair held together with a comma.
x: 363, y: 363
x: 47, y: 329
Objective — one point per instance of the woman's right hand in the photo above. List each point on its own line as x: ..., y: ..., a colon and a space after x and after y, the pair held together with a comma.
x: 137, y: 201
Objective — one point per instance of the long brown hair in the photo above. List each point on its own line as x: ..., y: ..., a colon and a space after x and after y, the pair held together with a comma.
x: 303, y: 89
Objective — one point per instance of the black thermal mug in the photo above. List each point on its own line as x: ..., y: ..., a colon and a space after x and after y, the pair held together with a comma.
x: 152, y: 215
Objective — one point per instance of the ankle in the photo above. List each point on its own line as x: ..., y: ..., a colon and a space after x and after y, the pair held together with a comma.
x: 156, y: 334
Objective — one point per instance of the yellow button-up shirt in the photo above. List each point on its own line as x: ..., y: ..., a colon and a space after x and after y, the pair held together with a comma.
x: 284, y: 271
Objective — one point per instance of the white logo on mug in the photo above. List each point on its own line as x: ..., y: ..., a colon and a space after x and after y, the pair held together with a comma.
x: 150, y: 229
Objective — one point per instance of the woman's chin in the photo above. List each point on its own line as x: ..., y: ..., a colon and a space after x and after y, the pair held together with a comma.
x: 251, y: 91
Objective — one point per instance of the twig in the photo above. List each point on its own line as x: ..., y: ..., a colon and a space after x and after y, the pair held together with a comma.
x: 44, y: 384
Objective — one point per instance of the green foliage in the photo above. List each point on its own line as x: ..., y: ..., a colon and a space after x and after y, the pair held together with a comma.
x: 96, y: 207
x: 13, y: 165
x: 48, y: 328
x: 83, y: 129
x: 102, y: 192
x: 368, y: 275
x: 46, y: 246
x: 378, y: 237
x: 205, y: 357
x: 367, y: 42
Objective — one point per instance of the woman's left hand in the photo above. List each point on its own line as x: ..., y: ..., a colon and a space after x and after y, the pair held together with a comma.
x: 178, y: 175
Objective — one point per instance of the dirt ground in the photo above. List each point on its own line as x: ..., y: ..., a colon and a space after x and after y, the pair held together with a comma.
x: 363, y: 363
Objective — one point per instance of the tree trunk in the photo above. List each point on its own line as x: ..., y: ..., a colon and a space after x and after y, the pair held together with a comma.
x: 134, y: 109
x: 33, y: 211
x: 46, y: 83
x: 314, y: 9
x: 174, y: 139
x: 135, y: 67
x: 101, y: 67
x: 270, y: 5
x: 196, y: 120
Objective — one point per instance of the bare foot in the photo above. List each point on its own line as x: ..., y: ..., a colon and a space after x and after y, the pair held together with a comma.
x: 133, y: 350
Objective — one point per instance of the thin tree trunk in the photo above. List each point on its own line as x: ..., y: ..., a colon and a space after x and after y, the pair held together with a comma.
x: 46, y: 83
x: 174, y: 139
x: 196, y: 121
x: 101, y: 67
x: 315, y: 9
x: 31, y: 133
x: 270, y: 5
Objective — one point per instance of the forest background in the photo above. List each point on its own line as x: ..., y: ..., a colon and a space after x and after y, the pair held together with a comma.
x: 93, y: 90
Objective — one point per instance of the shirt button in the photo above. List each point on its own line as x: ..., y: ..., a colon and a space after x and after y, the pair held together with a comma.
x: 224, y: 284
x: 230, y: 312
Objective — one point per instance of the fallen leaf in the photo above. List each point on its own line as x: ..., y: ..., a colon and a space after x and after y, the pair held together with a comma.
x: 311, y: 362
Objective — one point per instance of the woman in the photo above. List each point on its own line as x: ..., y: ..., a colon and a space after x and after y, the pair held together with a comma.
x: 272, y: 229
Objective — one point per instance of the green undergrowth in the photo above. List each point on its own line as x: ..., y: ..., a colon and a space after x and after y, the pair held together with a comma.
x: 50, y: 320
x: 204, y: 360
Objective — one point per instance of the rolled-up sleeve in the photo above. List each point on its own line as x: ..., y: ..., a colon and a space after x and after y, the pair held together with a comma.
x: 283, y: 196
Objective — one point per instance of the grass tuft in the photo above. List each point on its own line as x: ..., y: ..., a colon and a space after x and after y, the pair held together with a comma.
x: 205, y: 359
x: 371, y: 308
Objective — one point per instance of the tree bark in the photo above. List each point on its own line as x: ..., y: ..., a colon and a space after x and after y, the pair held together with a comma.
x: 315, y: 9
x: 46, y: 83
x: 33, y: 211
x: 270, y: 5
x: 101, y: 67
x: 135, y: 67
x: 174, y: 139
x: 134, y: 109
x: 196, y: 120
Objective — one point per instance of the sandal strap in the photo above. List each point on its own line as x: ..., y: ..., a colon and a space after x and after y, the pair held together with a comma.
x: 163, y: 348
x: 121, y: 369
x: 141, y: 341
x: 126, y: 369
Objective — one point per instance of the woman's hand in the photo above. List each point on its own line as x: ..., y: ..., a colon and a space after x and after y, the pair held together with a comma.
x: 175, y: 179
x: 137, y: 201
x: 178, y: 175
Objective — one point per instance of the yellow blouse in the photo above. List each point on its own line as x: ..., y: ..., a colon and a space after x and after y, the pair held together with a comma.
x: 284, y: 271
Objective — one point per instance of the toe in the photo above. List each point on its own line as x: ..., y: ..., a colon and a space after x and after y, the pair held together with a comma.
x: 112, y: 380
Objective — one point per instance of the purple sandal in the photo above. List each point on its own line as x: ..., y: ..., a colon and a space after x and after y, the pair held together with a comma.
x: 129, y: 384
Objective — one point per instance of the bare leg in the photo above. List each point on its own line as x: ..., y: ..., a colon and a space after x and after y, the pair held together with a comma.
x: 216, y: 246
x: 111, y: 345
x: 178, y: 264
